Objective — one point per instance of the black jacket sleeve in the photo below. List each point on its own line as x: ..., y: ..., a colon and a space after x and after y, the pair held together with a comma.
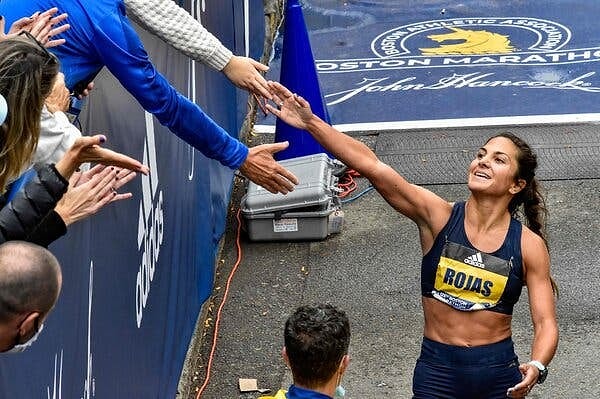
x: 50, y: 229
x: 29, y: 216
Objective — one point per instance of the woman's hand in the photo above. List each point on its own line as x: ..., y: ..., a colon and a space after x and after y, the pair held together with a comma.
x: 530, y: 376
x: 86, y: 91
x: 292, y: 109
x: 87, y: 149
x: 245, y: 73
x: 59, y: 98
x: 89, y: 191
x: 43, y: 26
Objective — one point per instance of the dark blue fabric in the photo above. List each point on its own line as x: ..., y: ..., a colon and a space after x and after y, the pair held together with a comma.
x: 300, y: 393
x: 362, y: 85
x: 98, y: 342
x: 18, y: 184
x: 454, y: 231
x: 453, y: 372
x: 101, y: 35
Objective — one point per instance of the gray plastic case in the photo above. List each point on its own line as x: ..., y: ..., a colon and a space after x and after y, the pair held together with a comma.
x: 299, y: 215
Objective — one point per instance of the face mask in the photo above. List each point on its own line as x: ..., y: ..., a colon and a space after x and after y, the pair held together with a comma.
x: 340, y: 392
x: 22, y: 347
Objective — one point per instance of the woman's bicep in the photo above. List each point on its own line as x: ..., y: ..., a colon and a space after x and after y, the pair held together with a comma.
x: 536, y: 261
x: 420, y: 205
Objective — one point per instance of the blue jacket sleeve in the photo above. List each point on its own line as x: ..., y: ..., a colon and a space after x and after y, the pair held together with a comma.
x: 123, y: 53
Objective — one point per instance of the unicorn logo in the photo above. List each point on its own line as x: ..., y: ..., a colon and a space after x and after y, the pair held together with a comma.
x: 472, y: 42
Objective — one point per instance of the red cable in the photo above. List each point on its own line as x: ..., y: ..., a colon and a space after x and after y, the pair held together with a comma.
x: 347, y: 183
x: 218, y: 317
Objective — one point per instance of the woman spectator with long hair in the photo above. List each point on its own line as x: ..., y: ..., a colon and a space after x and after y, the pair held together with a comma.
x: 27, y: 76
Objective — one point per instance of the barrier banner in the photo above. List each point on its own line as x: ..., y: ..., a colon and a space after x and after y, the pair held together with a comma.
x: 136, y: 274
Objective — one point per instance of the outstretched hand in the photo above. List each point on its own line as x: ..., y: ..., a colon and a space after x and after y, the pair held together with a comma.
x: 291, y: 108
x: 87, y: 149
x: 89, y: 191
x: 43, y: 26
x: 246, y: 73
x: 262, y: 169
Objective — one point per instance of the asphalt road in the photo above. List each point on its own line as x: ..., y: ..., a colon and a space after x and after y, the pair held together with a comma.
x: 371, y: 270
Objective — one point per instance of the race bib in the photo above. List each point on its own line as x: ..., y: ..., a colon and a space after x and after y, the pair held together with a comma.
x: 468, y: 280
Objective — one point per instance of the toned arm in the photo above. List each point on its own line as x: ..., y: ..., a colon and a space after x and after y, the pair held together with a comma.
x: 542, y: 305
x: 429, y: 211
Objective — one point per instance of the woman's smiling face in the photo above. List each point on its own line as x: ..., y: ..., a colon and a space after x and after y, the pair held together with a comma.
x: 494, y: 168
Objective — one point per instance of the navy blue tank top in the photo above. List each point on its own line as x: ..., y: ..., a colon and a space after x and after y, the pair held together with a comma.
x: 467, y: 279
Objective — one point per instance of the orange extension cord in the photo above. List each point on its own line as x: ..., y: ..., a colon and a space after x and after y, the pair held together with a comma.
x: 347, y: 183
x: 218, y: 317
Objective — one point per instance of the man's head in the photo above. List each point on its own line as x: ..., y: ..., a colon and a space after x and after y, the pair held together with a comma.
x: 30, y: 281
x: 316, y: 344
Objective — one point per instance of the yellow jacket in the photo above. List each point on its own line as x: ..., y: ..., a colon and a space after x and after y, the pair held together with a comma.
x: 279, y: 395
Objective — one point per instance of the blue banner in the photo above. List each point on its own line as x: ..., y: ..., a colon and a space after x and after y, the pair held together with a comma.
x: 453, y: 63
x: 136, y: 274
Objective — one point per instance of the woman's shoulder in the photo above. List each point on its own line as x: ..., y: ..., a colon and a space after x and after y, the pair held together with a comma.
x: 528, y: 236
x: 533, y: 247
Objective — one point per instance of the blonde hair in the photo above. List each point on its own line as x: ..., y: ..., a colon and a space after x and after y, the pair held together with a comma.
x: 27, y: 74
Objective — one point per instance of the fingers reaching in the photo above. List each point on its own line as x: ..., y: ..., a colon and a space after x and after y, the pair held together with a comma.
x: 123, y: 177
x: 88, y: 149
x: 42, y: 26
x: 86, y: 91
x: 55, y: 32
x: 262, y: 169
x: 279, y: 90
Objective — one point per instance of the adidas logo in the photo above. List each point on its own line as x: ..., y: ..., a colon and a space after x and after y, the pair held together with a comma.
x: 150, y: 224
x: 475, y: 260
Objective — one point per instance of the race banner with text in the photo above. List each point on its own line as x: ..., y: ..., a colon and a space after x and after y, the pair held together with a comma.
x: 454, y: 64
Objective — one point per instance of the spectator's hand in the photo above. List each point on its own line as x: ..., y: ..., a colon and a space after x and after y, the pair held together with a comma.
x: 59, y: 98
x: 89, y: 191
x: 262, y: 169
x: 43, y: 26
x: 245, y: 73
x: 86, y: 91
x: 291, y: 108
x: 87, y: 149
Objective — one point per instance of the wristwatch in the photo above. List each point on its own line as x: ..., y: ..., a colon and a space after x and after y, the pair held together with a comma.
x: 543, y: 370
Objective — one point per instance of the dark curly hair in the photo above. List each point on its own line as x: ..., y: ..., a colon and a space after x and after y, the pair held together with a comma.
x: 316, y: 340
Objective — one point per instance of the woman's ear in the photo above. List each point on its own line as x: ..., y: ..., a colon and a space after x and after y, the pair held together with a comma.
x: 517, y: 186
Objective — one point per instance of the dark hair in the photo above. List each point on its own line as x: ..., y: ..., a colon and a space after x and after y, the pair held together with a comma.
x: 316, y: 340
x: 529, y: 201
x: 27, y: 75
x: 30, y: 279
